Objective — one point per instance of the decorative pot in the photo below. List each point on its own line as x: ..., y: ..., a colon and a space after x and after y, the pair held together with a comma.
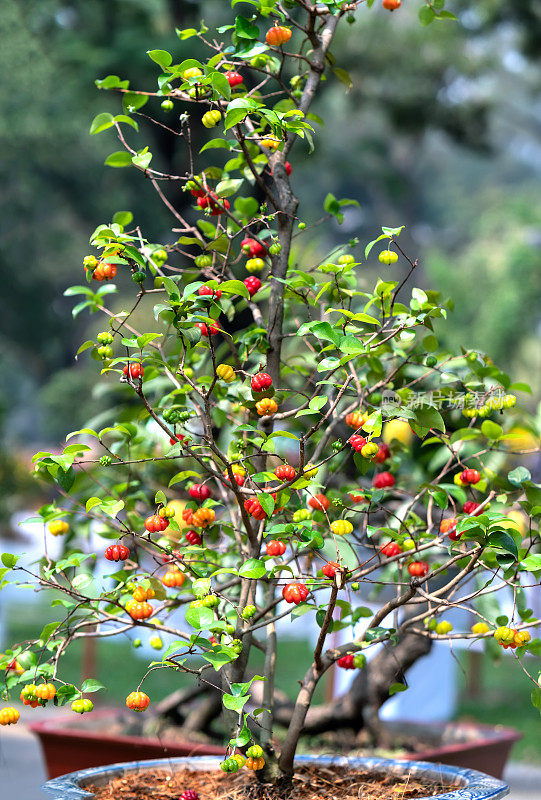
x: 474, y: 785
x: 67, y: 748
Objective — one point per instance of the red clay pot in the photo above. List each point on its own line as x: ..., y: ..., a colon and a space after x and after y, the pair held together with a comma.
x: 67, y: 748
x: 461, y: 744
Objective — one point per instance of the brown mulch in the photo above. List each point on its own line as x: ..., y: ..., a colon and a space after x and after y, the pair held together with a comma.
x: 309, y: 783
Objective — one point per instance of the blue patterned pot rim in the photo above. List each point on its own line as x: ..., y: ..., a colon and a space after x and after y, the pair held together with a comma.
x: 474, y: 785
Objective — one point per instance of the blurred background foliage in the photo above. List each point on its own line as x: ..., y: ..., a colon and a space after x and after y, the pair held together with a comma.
x: 440, y: 131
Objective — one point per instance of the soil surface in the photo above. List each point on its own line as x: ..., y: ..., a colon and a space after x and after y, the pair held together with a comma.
x: 309, y: 783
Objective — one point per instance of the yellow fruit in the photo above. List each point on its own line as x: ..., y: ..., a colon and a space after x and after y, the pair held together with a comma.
x: 9, y: 716
x: 58, y: 527
x: 226, y: 373
x: 193, y: 72
x: 397, y: 429
x: 480, y: 627
x: 255, y: 264
x: 341, y: 527
x: 443, y: 627
x: 270, y: 143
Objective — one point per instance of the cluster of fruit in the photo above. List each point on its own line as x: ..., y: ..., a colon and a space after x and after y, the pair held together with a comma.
x: 37, y: 695
x: 254, y: 760
x: 138, y: 606
x: 492, y: 404
x: 511, y: 638
x: 101, y: 270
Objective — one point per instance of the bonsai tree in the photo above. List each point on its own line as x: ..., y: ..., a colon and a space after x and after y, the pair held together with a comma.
x: 281, y: 436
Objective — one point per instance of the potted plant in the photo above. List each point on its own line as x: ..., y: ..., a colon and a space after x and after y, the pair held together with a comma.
x: 282, y: 438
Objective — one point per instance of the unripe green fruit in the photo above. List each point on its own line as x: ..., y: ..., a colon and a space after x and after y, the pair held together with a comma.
x: 184, y: 416
x: 203, y: 261
x: 408, y: 544
x: 301, y: 514
x: 302, y: 226
x: 211, y: 601
x: 359, y: 660
x: 258, y: 61
x: 137, y: 643
x: 105, y: 351
x: 158, y: 282
x: 431, y: 361
x: 369, y: 450
x: 388, y: 257
x: 171, y: 415
x: 336, y: 502
x: 355, y: 586
x: 156, y: 642
x: 106, y: 461
x: 248, y: 612
x: 104, y: 337
x: 138, y: 277
x: 230, y: 629
x: 159, y: 256
x: 348, y: 259
x: 167, y: 105
x: 275, y: 249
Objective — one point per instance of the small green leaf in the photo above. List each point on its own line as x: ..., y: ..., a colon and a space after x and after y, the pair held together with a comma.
x: 101, y: 123
x: 92, y: 685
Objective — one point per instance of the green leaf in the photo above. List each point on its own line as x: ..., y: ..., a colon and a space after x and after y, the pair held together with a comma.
x: 187, y: 33
x: 253, y: 568
x: 316, y: 403
x: 344, y: 77
x: 161, y: 57
x: 491, y: 430
x: 235, y: 703
x: 429, y: 417
x: 397, y: 687
x: 219, y: 82
x: 132, y: 101
x: 200, y: 618
x: 500, y: 540
x: 216, y: 144
x: 142, y: 159
x: 518, y: 475
x: 235, y: 116
x: 235, y: 287
x: 531, y: 563
x: 119, y: 159
x: 92, y: 685
x: 426, y: 15
x: 122, y: 218
x: 101, y: 123
x: 245, y: 29
x: 9, y: 560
